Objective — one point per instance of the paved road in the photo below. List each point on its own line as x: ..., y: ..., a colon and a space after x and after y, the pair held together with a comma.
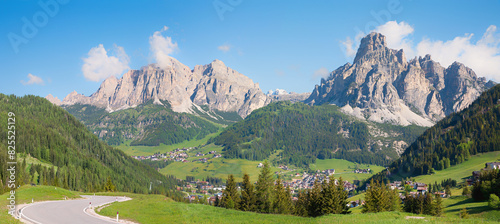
x: 70, y: 211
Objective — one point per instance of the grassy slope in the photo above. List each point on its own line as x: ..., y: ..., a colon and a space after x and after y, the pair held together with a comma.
x: 39, y: 193
x: 458, y: 172
x: 218, y: 167
x: 162, y: 148
x: 159, y: 209
x: 344, y: 168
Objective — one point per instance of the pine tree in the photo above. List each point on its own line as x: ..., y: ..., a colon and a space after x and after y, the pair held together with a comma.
x: 110, y: 187
x: 438, y: 205
x: 408, y: 203
x: 301, y: 205
x: 264, y: 189
x: 314, y: 198
x: 248, y: 199
x: 376, y: 199
x: 230, y: 197
x: 217, y: 201
x: 282, y: 200
x: 341, y: 196
x: 447, y: 191
x: 428, y: 205
x: 395, y: 202
x: 466, y: 191
x: 328, y: 197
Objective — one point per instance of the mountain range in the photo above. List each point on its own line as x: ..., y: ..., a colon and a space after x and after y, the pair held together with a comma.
x: 215, y: 85
x: 382, y: 86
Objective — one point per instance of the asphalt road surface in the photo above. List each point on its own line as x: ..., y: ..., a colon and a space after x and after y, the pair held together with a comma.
x: 69, y: 211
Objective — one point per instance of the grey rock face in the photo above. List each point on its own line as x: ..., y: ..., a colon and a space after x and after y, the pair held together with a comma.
x: 382, y: 86
x: 215, y: 85
x: 53, y: 100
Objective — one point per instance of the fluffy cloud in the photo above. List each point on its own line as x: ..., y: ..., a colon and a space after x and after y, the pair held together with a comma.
x: 224, y: 48
x: 99, y: 65
x: 321, y: 72
x: 162, y: 47
x: 483, y: 56
x: 349, y: 46
x: 33, y: 79
x: 397, y: 36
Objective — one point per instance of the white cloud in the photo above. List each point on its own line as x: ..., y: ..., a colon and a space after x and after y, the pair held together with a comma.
x: 349, y: 46
x: 99, y: 65
x: 397, y: 36
x: 321, y: 72
x: 224, y: 48
x: 162, y: 47
x: 483, y: 56
x: 33, y: 79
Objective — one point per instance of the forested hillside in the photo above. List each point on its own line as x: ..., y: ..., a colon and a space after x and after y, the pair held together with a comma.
x: 76, y: 158
x: 455, y: 138
x: 148, y: 124
x: 303, y: 133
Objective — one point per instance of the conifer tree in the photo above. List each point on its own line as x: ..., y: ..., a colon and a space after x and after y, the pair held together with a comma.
x: 447, y: 191
x: 428, y: 205
x: 282, y: 200
x: 217, y: 201
x: 466, y: 191
x: 264, y: 189
x: 248, y: 199
x: 328, y: 197
x: 376, y: 199
x: 342, y: 196
x: 230, y: 197
x: 314, y: 198
x: 395, y: 200
x: 301, y: 205
x: 438, y: 205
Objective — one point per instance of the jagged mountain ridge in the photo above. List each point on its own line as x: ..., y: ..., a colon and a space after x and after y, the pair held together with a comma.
x: 382, y: 86
x: 215, y: 85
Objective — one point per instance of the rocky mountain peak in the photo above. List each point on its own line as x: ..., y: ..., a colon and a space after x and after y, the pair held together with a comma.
x: 215, y: 85
x: 54, y: 100
x: 372, y: 42
x: 382, y: 86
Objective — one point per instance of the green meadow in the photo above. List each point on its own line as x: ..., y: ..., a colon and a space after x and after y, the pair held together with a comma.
x: 162, y: 148
x: 345, y: 169
x: 159, y: 209
x: 25, y: 193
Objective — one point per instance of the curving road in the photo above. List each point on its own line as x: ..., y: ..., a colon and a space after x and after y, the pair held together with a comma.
x: 70, y: 211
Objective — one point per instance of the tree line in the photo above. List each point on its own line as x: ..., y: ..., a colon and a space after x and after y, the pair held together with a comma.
x: 454, y: 139
x: 381, y: 198
x: 305, y: 133
x: 147, y: 124
x: 73, y: 157
x: 270, y: 196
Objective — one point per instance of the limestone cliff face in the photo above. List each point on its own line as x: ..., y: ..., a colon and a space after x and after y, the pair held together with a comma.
x: 53, y: 99
x: 382, y: 86
x: 215, y: 85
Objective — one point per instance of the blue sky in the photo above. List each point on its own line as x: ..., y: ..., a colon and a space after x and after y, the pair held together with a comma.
x: 279, y: 44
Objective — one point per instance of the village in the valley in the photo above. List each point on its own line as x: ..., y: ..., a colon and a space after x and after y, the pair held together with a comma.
x: 205, y: 190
